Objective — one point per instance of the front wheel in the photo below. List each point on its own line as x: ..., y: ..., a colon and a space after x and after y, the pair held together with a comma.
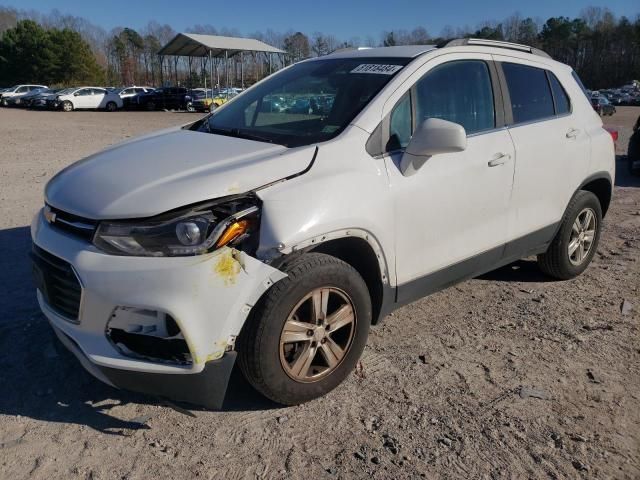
x: 67, y: 106
x: 111, y: 107
x: 575, y: 244
x: 308, y: 331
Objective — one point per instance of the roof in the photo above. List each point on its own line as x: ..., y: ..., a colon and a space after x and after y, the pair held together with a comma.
x: 196, y: 45
x: 403, y: 51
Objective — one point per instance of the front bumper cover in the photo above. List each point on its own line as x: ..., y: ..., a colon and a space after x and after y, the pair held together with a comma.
x: 206, y: 389
x: 209, y: 296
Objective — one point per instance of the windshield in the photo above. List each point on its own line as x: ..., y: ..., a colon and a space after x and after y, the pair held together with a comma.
x: 307, y: 103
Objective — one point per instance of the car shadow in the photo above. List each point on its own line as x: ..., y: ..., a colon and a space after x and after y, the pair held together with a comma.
x: 526, y: 271
x: 623, y: 175
x: 42, y: 380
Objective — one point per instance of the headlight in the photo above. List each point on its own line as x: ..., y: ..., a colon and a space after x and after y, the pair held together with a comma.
x: 194, y: 231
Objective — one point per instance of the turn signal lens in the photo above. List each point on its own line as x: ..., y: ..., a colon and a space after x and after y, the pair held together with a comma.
x: 232, y: 232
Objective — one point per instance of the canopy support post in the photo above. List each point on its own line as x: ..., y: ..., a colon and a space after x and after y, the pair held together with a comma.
x: 211, y: 72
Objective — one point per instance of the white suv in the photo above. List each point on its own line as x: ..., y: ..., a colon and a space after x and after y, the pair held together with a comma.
x: 280, y: 236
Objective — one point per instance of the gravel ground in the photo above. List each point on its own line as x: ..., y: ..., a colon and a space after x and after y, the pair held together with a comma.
x: 509, y: 375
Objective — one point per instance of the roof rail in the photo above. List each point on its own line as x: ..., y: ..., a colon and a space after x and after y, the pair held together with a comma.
x: 458, y: 42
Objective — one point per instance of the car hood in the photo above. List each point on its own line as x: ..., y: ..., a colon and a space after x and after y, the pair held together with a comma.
x: 169, y: 169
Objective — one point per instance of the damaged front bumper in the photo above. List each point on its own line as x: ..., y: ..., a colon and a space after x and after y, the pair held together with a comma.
x: 128, y: 312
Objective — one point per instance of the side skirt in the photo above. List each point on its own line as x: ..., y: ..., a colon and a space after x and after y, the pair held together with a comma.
x: 531, y: 244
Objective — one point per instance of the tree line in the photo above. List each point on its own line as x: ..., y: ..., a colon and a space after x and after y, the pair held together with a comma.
x: 60, y: 49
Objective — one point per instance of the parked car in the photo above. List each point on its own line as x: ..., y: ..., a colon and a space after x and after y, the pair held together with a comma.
x: 87, y: 98
x: 164, y: 98
x: 602, y: 106
x: 633, y: 150
x: 127, y: 94
x: 39, y: 100
x: 279, y: 239
x: 23, y: 100
x: 17, y: 91
x: 208, y: 103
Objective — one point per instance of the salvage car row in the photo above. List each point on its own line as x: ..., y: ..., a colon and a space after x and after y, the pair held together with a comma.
x: 109, y: 99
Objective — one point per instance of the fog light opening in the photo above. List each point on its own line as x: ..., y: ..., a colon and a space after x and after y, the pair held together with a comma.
x: 148, y: 335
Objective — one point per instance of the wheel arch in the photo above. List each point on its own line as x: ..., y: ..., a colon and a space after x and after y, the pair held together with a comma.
x: 361, y: 251
x: 601, y: 186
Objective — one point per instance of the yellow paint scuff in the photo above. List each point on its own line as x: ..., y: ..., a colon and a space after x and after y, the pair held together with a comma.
x: 227, y: 268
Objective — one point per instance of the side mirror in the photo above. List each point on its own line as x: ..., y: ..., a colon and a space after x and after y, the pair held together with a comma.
x: 433, y: 137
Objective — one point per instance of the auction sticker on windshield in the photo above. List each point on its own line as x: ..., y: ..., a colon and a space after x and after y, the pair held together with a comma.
x: 376, y: 68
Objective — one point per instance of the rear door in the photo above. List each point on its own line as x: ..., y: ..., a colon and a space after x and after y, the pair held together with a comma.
x: 552, y: 151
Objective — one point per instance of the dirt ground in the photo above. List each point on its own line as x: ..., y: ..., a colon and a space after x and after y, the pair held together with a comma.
x: 509, y: 375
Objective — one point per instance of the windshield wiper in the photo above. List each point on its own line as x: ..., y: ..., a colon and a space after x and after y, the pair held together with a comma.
x: 237, y: 133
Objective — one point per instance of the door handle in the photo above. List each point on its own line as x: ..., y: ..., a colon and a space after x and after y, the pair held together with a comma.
x: 499, y: 159
x: 572, y: 133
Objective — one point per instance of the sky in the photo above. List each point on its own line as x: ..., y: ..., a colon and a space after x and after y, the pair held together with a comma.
x: 345, y: 18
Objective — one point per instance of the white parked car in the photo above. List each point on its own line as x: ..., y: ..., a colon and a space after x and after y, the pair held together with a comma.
x: 17, y: 91
x: 87, y: 98
x: 280, y: 237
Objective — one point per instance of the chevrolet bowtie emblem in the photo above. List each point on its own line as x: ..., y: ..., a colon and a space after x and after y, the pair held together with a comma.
x: 49, y: 215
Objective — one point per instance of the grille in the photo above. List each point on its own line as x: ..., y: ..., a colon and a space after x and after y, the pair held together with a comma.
x: 57, y: 283
x: 73, y: 224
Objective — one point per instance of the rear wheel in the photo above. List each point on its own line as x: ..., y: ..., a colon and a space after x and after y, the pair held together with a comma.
x: 67, y: 106
x: 307, y: 333
x: 111, y: 107
x: 575, y: 244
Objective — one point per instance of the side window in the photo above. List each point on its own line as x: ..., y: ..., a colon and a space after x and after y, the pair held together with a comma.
x: 22, y: 89
x: 529, y: 91
x: 460, y: 92
x: 560, y: 97
x: 84, y: 91
x: 400, y: 125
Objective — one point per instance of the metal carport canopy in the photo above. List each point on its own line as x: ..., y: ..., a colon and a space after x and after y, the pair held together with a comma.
x: 196, y: 45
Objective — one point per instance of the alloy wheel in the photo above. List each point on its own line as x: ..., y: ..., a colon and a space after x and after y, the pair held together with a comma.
x: 317, y: 335
x: 583, y: 233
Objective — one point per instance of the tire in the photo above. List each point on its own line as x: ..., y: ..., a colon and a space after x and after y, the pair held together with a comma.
x: 67, y: 106
x: 269, y: 365
x: 111, y: 107
x: 557, y: 260
x: 5, y: 103
x: 190, y: 107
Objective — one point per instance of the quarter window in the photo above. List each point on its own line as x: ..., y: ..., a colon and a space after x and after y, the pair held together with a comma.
x: 459, y: 92
x: 529, y: 91
x: 400, y: 125
x: 559, y: 95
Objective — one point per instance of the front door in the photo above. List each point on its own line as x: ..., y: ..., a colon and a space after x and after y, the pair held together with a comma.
x: 451, y: 215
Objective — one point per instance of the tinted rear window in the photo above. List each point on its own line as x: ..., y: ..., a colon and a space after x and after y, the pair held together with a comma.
x: 530, y: 94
